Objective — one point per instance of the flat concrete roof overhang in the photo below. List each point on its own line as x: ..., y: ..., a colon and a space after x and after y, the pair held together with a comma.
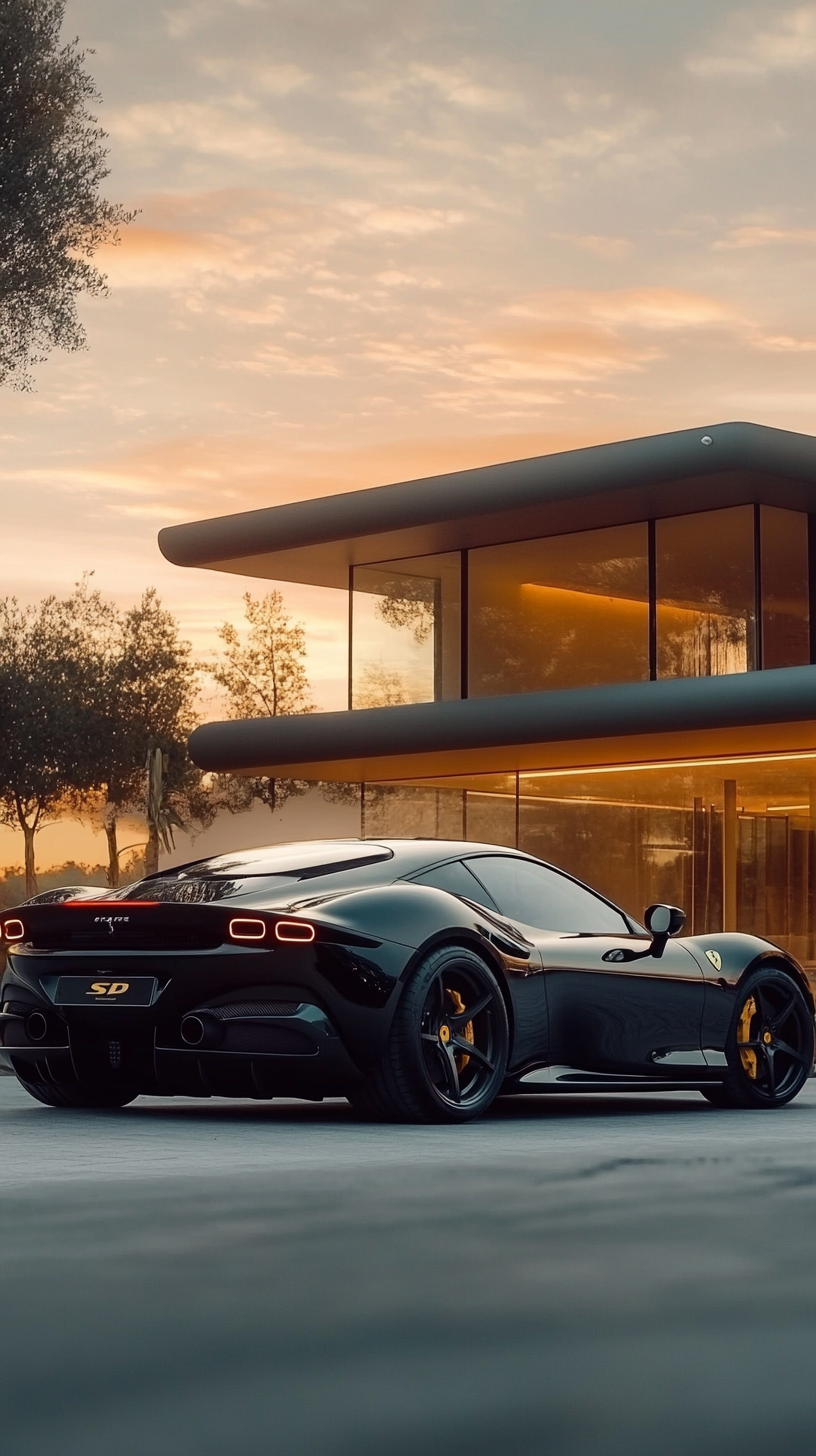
x: 315, y: 541
x: 678, y: 718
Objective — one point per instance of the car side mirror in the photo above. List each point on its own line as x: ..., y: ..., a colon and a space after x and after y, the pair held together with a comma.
x: 663, y: 921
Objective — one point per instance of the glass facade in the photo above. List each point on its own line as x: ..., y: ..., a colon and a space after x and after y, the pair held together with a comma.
x: 700, y: 595
x: 721, y: 591
x: 784, y: 587
x: 706, y: 593
x: 732, y: 841
x: 481, y: 808
x: 406, y: 631
x: 561, y: 612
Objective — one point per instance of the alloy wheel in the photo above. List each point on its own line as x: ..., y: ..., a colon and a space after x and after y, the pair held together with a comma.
x: 775, y: 1038
x: 462, y: 1029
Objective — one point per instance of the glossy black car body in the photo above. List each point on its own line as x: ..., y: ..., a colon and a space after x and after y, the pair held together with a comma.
x: 281, y: 972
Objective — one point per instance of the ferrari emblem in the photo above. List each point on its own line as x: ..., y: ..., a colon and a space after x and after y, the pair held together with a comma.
x: 444, y: 1034
x: 715, y: 958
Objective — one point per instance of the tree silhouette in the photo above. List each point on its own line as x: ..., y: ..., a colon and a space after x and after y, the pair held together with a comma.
x: 52, y: 659
x: 52, y: 163
x: 146, y: 705
x: 263, y: 675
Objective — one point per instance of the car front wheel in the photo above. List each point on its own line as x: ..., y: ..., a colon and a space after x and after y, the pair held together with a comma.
x: 770, y: 1043
x: 447, y: 1052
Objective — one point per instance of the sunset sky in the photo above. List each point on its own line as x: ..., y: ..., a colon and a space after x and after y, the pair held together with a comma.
x: 380, y: 240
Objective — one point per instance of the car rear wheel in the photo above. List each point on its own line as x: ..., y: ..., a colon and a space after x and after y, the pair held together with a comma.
x: 57, y: 1094
x: 447, y: 1052
x: 770, y: 1044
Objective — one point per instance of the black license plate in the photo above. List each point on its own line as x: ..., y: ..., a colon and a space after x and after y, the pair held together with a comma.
x: 105, y: 990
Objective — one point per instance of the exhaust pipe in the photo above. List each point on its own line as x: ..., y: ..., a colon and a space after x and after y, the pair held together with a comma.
x: 200, y: 1029
x: 36, y: 1026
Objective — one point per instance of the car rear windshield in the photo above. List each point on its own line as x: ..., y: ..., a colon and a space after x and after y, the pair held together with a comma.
x: 225, y: 875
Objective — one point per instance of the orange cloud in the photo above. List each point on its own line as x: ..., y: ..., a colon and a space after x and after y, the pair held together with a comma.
x: 558, y: 352
x: 217, y: 238
x: 598, y: 244
x: 185, y: 479
x: 761, y: 237
x: 643, y: 308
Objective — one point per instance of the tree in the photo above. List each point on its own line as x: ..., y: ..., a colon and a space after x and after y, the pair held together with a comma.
x: 380, y: 687
x: 145, y: 708
x: 51, y: 665
x: 408, y: 603
x: 86, y: 693
x: 263, y: 676
x: 52, y: 163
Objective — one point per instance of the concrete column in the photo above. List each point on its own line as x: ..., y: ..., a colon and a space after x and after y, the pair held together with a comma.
x: 729, y: 854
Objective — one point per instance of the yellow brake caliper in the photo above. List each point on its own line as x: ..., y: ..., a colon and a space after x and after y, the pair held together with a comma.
x: 467, y: 1034
x: 747, y: 1057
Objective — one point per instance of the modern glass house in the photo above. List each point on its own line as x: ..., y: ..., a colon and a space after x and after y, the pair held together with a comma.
x: 606, y: 657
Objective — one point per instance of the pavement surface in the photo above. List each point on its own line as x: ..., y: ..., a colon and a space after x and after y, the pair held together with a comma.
x: 571, y: 1277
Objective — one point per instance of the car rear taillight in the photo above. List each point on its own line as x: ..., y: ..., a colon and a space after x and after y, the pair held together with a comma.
x: 247, y: 929
x: 294, y: 932
x: 13, y: 929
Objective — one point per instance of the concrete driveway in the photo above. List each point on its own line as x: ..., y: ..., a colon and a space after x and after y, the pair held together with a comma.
x: 578, y: 1277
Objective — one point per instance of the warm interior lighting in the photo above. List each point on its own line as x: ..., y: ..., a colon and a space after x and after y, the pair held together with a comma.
x: 294, y: 932
x: 609, y: 768
x: 13, y: 929
x: 576, y: 598
x: 247, y: 929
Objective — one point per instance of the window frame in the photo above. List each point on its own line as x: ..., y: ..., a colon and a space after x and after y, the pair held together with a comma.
x: 651, y: 522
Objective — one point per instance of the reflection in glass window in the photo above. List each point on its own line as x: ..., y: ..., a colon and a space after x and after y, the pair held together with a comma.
x: 480, y: 808
x: 541, y: 897
x: 490, y: 815
x: 784, y: 576
x: 558, y: 612
x: 706, y: 593
x: 409, y: 811
x: 405, y: 627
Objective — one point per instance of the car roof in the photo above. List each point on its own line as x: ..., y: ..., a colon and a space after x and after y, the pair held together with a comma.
x: 427, y: 851
x: 368, y: 862
x: 333, y: 855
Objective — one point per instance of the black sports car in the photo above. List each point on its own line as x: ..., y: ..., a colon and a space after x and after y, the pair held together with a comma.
x: 418, y: 978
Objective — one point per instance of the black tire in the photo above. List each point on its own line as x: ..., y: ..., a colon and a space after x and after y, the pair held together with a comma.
x: 56, y: 1094
x: 447, y: 1052
x: 770, y: 1043
x: 717, y: 1096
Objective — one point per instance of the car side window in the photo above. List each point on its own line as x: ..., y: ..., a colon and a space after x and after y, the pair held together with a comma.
x: 543, y: 897
x: 457, y: 880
